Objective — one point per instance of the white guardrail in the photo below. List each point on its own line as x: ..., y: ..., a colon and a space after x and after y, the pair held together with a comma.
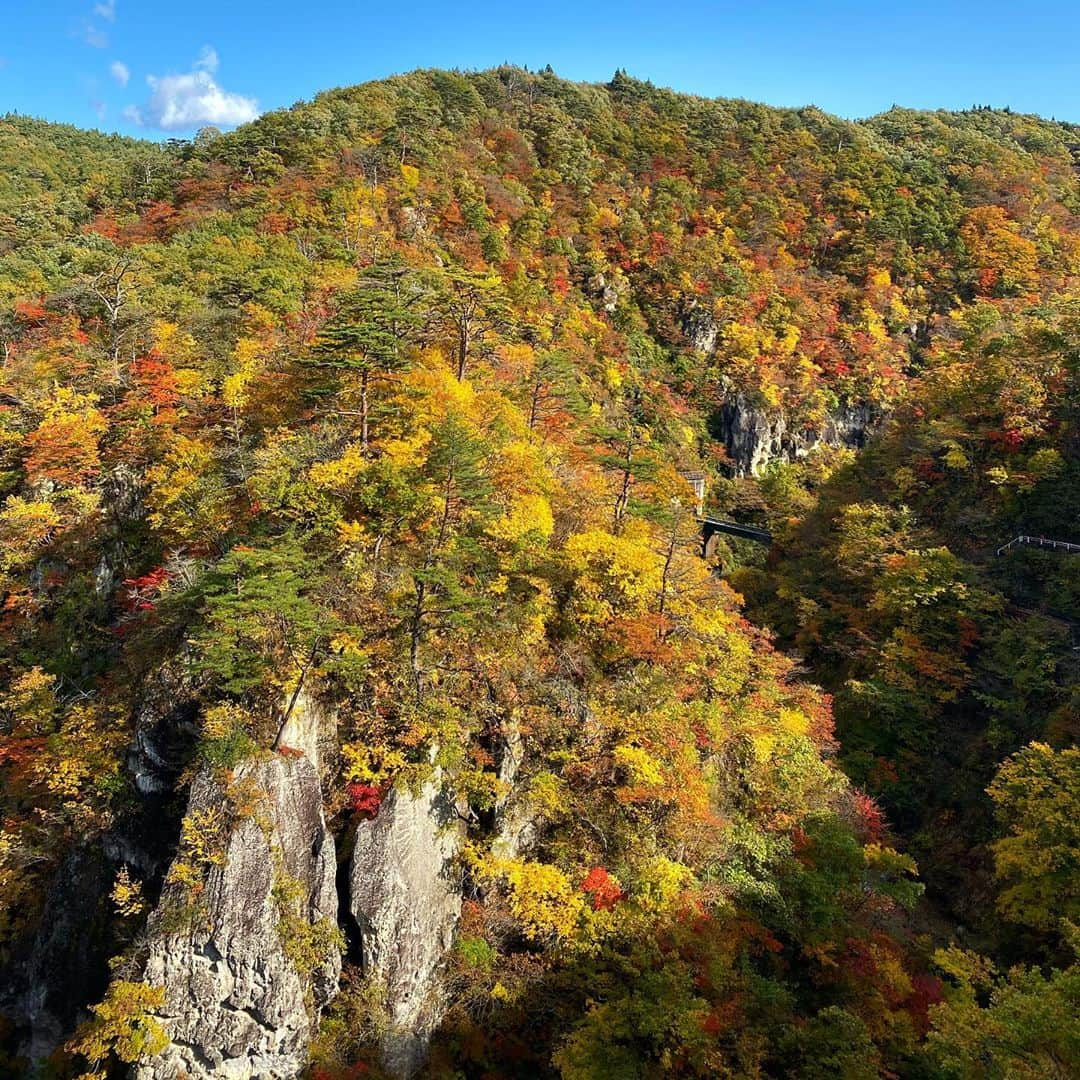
x: 1039, y: 541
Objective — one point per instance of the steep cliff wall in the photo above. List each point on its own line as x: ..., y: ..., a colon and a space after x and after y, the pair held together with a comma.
x: 165, y: 729
x: 46, y: 990
x: 312, y: 729
x: 248, y: 972
x: 753, y: 436
x: 515, y: 821
x: 406, y: 899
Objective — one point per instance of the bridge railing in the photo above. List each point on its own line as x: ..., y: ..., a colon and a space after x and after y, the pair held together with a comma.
x: 710, y: 525
x: 1039, y: 541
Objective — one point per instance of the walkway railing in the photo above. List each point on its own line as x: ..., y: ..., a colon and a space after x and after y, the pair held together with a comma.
x: 1039, y: 541
x: 734, y: 528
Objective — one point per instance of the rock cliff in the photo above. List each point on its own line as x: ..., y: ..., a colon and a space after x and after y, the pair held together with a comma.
x: 46, y: 990
x: 515, y: 822
x: 406, y: 899
x: 311, y: 727
x: 165, y: 729
x: 753, y: 436
x: 251, y: 966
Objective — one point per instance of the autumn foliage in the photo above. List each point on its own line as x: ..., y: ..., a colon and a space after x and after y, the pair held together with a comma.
x: 373, y: 421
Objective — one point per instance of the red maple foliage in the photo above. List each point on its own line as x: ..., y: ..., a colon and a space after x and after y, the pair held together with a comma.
x: 365, y: 799
x: 346, y: 1072
x: 926, y: 990
x: 1010, y: 439
x: 141, y: 591
x: 602, y: 888
x: 156, y: 378
x: 870, y: 819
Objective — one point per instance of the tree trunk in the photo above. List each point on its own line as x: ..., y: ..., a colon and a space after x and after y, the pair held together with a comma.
x: 463, y: 350
x: 415, y: 633
x: 661, y: 631
x: 623, y: 500
x: 295, y: 694
x: 534, y: 405
x: 364, y: 411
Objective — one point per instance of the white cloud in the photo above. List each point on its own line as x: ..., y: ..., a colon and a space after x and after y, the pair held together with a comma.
x: 94, y: 36
x: 181, y: 102
x: 120, y: 72
x: 208, y: 59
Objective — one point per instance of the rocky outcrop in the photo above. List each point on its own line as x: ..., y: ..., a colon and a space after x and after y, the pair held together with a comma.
x: 45, y: 991
x: 253, y: 962
x: 608, y: 292
x: 753, y: 436
x: 312, y: 729
x: 515, y: 822
x: 700, y: 329
x: 121, y: 501
x: 166, y: 728
x: 405, y: 896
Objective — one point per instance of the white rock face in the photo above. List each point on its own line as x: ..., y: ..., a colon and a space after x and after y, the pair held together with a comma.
x: 754, y: 436
x: 236, y: 1007
x: 406, y: 899
x: 311, y: 728
x: 515, y: 822
x: 701, y: 330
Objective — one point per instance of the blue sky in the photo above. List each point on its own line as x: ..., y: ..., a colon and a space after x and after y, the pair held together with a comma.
x: 158, y: 69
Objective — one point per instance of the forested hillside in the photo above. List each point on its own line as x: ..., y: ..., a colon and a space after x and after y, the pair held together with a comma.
x: 368, y: 705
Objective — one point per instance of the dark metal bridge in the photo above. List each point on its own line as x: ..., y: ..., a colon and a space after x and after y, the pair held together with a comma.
x: 712, y: 528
